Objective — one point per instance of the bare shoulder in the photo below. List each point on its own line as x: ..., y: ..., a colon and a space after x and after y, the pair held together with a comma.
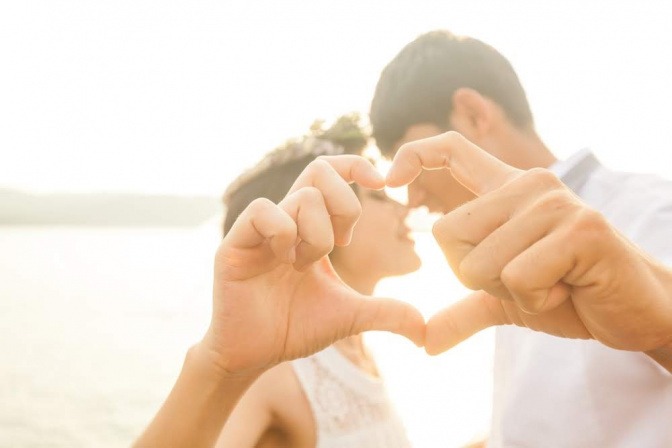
x: 289, y: 406
x: 274, y: 412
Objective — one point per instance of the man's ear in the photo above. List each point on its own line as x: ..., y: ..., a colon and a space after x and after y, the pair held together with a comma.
x: 472, y: 114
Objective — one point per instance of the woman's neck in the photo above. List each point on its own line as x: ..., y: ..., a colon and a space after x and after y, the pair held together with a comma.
x: 361, y: 281
x: 353, y: 347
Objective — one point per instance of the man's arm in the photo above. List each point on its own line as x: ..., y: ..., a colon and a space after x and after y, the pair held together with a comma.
x: 662, y: 356
x: 538, y: 257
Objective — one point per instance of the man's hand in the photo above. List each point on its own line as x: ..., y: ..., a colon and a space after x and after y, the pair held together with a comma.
x: 537, y: 255
x: 276, y: 295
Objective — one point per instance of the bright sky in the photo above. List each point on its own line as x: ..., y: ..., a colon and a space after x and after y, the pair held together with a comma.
x: 179, y: 96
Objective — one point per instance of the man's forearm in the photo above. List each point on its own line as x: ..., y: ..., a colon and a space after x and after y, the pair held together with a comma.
x: 663, y: 354
x: 198, y: 405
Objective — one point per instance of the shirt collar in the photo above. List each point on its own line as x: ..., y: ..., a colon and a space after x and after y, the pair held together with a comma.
x: 575, y: 171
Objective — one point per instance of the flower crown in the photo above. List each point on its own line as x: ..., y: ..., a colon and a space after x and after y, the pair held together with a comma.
x: 345, y: 136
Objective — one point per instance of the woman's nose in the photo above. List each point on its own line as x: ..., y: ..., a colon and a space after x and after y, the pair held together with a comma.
x: 416, y: 195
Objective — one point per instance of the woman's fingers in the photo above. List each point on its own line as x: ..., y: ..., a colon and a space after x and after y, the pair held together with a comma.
x: 331, y: 176
x: 261, y: 225
x: 378, y: 314
x: 307, y: 208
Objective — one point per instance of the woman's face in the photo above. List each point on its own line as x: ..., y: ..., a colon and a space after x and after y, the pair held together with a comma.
x: 381, y: 244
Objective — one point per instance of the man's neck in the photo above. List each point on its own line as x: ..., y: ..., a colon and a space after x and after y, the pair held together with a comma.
x: 525, y: 150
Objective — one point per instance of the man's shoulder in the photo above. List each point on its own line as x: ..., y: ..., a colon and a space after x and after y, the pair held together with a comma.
x: 626, y: 189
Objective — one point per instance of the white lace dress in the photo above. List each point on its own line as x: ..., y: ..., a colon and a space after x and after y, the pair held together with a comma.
x: 351, y: 407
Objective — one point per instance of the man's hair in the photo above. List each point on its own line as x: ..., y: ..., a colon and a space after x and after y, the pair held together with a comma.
x: 275, y: 173
x: 417, y: 86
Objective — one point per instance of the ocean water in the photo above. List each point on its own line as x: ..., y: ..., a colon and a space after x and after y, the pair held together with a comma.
x: 95, y: 323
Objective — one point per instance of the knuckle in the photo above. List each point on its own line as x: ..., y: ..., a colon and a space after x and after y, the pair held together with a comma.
x: 454, y: 137
x: 542, y: 178
x: 311, y: 195
x: 513, y: 279
x: 443, y: 228
x: 555, y: 200
x: 320, y: 164
x: 470, y: 273
x: 590, y: 225
x: 260, y: 205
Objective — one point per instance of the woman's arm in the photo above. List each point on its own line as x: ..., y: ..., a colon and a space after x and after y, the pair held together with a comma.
x: 258, y: 411
x: 276, y: 297
x: 198, y: 405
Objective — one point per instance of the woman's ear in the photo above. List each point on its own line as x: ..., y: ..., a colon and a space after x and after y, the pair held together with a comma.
x: 472, y: 114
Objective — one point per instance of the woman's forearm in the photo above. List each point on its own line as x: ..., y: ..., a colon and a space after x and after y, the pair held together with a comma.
x: 198, y: 405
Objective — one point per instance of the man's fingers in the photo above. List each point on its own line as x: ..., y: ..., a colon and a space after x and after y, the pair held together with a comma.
x: 551, y: 260
x: 388, y: 315
x: 480, y: 266
x: 331, y: 176
x: 316, y: 237
x: 462, y: 320
x: 474, y: 168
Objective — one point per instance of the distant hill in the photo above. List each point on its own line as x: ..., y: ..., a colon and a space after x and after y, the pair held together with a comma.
x: 21, y: 208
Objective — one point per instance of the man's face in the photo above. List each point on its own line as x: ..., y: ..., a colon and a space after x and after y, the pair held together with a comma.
x: 436, y: 189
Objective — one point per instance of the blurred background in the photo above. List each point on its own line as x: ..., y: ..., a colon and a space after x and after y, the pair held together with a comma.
x: 121, y: 123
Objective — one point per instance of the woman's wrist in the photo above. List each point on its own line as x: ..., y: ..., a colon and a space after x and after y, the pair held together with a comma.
x: 203, y: 358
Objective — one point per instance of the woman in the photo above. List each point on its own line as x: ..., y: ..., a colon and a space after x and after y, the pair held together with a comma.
x: 334, y: 398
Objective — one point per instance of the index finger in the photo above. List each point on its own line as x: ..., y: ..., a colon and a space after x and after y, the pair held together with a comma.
x: 351, y: 168
x: 470, y: 165
x: 331, y: 176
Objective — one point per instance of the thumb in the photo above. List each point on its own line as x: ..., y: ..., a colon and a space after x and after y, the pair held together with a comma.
x: 461, y: 320
x: 391, y: 315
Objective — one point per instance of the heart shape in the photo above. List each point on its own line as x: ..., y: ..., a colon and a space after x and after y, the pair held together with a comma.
x: 279, y: 300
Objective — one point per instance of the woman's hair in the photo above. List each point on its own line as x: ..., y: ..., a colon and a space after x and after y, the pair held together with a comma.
x: 275, y: 173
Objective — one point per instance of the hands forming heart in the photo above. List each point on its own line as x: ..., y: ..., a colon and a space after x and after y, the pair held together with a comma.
x: 276, y: 294
x: 536, y: 256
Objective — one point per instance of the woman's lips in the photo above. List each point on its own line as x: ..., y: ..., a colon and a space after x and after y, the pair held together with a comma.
x: 405, y: 234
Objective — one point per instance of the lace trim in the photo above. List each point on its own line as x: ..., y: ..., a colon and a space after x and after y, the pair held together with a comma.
x: 349, y: 405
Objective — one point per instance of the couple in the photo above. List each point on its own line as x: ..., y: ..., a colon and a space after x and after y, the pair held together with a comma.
x: 567, y: 248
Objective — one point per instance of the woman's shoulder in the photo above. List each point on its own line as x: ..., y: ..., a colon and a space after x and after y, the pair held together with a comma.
x: 288, y: 403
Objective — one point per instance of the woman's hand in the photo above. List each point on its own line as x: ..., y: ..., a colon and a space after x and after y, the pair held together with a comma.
x: 276, y: 295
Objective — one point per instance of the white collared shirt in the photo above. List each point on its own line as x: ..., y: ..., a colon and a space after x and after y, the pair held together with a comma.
x: 553, y: 392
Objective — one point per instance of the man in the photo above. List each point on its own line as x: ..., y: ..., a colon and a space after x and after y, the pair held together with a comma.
x: 558, y: 267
